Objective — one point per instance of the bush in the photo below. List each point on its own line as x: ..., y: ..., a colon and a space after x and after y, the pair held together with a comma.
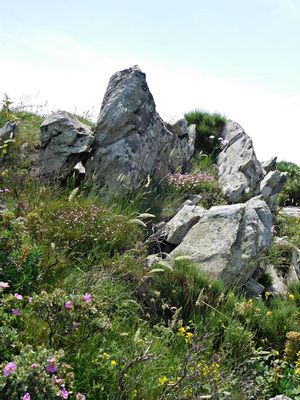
x: 290, y: 194
x: 208, y: 129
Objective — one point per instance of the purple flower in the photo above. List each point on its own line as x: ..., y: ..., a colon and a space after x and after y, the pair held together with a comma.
x: 52, y: 368
x: 34, y: 365
x: 80, y: 396
x: 4, y: 284
x: 9, y: 368
x: 65, y: 393
x: 26, y: 396
x: 6, y: 190
x: 87, y: 297
x: 16, y: 311
x: 68, y: 304
x: 18, y: 296
x: 75, y: 326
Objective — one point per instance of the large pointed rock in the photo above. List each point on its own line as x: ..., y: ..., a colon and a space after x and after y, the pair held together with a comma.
x: 227, y: 239
x: 131, y: 139
x: 239, y: 170
x: 65, y: 141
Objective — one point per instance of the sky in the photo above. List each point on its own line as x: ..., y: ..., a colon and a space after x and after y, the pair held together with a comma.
x: 239, y: 58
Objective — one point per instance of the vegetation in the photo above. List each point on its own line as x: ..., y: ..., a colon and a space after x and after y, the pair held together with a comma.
x: 208, y: 131
x: 85, y: 316
x: 290, y: 195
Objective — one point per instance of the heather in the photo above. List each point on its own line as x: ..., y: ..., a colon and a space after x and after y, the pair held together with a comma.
x: 85, y: 314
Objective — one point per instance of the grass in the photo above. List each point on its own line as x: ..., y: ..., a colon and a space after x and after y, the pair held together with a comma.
x: 74, y: 271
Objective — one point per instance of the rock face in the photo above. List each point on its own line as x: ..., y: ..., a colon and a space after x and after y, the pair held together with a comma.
x: 65, y: 141
x: 239, y: 169
x: 131, y: 139
x: 226, y: 239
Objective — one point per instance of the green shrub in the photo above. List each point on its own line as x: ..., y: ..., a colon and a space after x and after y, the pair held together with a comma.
x: 290, y: 194
x: 208, y: 130
x: 180, y: 286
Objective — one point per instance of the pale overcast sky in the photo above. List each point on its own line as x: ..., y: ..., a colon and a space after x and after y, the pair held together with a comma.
x: 237, y: 57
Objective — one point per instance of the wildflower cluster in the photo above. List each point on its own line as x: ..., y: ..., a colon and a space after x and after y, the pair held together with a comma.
x: 187, y: 182
x: 90, y: 227
x: 292, y: 346
x: 187, y: 335
x: 46, y: 375
x: 4, y: 191
x: 70, y: 319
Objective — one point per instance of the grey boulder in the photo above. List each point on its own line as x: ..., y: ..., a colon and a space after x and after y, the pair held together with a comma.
x: 65, y: 141
x: 8, y: 132
x: 226, y: 240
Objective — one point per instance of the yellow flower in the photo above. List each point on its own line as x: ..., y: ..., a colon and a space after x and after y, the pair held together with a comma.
x: 4, y: 151
x: 113, y: 362
x: 269, y: 313
x: 250, y: 301
x: 5, y: 145
x: 105, y: 356
x: 267, y: 294
x: 188, y: 337
x: 163, y: 380
x: 291, y: 296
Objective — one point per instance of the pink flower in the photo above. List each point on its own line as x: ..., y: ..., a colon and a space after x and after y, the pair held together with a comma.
x: 51, y: 360
x: 75, y: 326
x: 34, y: 365
x: 57, y: 380
x: 16, y: 311
x: 9, y: 368
x: 4, y: 284
x: 26, y: 396
x: 64, y: 393
x: 52, y: 368
x: 87, y: 297
x: 29, y: 299
x: 80, y: 396
x: 18, y: 296
x: 273, y: 230
x: 68, y: 304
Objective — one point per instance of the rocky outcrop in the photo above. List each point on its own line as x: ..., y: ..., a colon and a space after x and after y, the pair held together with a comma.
x: 269, y: 165
x: 239, y: 170
x: 65, y: 141
x: 131, y: 139
x: 271, y: 186
x: 225, y: 240
x: 8, y: 132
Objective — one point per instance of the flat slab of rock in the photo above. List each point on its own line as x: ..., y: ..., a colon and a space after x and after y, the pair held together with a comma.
x: 226, y: 239
x: 176, y: 229
x: 290, y: 211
